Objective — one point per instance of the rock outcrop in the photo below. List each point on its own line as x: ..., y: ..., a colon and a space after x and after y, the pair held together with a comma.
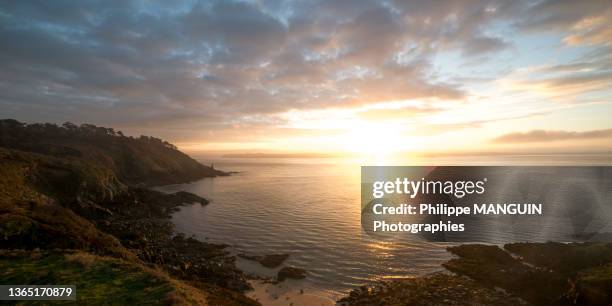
x: 65, y: 188
x: 520, y: 273
x: 290, y: 273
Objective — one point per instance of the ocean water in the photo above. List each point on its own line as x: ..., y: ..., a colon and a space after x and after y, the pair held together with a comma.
x: 309, y: 209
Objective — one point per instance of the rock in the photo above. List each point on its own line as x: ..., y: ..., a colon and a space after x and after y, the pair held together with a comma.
x: 290, y: 272
x: 436, y: 289
x: 593, y: 286
x: 187, y: 197
x: 538, y: 274
x: 273, y: 260
x: 565, y: 258
x: 491, y: 266
x: 268, y: 261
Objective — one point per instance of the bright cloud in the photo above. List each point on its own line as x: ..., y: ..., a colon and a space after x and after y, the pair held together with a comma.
x: 232, y: 75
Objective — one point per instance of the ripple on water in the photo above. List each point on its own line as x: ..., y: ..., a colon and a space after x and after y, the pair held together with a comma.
x: 314, y: 216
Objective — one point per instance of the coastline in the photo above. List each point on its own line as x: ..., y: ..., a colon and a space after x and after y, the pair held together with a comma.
x: 267, y: 290
x: 283, y: 295
x: 549, y: 273
x: 59, y: 203
x: 86, y: 189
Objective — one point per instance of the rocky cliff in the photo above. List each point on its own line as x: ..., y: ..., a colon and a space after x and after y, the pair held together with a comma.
x: 144, y: 160
x: 82, y: 188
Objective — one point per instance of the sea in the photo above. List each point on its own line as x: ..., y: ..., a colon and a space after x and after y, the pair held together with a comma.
x: 310, y: 208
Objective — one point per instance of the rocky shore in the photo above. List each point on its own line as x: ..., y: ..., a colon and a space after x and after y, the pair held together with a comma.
x: 517, y: 274
x: 437, y: 289
x: 141, y: 221
x: 85, y: 189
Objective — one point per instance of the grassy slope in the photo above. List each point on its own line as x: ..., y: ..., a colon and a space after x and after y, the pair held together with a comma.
x: 34, y: 192
x: 99, y: 280
x: 29, y: 218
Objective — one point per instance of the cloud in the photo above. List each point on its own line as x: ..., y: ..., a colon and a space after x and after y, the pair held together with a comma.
x: 554, y: 15
x: 551, y: 136
x: 482, y: 45
x: 572, y: 82
x: 567, y: 86
x: 213, y: 60
x: 210, y: 64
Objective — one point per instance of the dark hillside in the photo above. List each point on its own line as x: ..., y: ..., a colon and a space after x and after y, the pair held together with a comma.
x: 33, y: 188
x: 135, y: 161
x: 80, y: 188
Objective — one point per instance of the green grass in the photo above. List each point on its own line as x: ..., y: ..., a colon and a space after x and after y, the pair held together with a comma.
x: 98, y: 280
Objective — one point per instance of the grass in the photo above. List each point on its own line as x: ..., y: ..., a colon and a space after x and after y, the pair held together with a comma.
x: 98, y: 280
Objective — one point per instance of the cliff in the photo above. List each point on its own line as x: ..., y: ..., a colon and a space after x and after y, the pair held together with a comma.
x: 66, y: 192
x: 146, y: 161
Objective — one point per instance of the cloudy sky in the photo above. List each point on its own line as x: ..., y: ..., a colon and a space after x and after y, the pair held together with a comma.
x: 317, y: 76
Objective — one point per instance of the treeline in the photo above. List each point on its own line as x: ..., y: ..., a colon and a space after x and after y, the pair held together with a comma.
x: 12, y: 130
x: 134, y: 160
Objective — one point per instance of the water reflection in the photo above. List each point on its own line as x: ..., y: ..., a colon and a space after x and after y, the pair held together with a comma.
x: 310, y: 210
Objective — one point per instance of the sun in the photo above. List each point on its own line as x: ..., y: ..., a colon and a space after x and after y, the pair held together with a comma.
x: 376, y: 142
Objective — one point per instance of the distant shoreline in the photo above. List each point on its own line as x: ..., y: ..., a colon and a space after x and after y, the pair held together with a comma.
x: 279, y: 155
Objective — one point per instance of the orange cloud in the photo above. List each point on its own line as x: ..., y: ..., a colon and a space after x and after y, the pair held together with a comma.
x: 551, y: 136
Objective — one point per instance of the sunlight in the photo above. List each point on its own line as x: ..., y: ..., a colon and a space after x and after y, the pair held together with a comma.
x: 377, y: 143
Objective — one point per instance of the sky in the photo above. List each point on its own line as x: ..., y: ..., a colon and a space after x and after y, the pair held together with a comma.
x: 347, y: 77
